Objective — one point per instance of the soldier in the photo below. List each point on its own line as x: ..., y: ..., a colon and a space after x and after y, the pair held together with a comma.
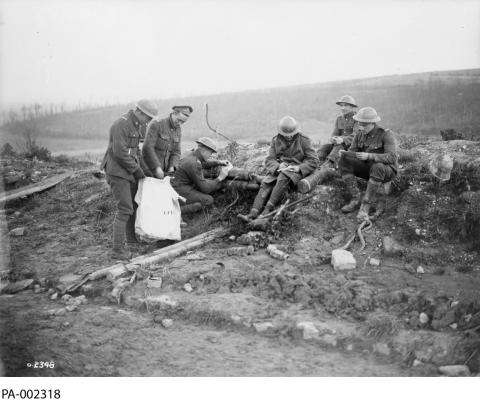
x: 373, y: 156
x: 291, y: 157
x: 341, y: 139
x: 122, y: 165
x: 161, y: 150
x: 189, y: 181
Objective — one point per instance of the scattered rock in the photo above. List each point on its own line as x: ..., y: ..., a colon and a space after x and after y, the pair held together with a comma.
x: 454, y: 326
x: 416, y: 362
x: 66, y: 298
x: 276, y: 253
x: 252, y: 238
x: 60, y: 312
x: 54, y: 296
x: 66, y: 324
x: 240, y: 250
x: 263, y: 327
x: 17, y: 232
x: 167, y: 323
x: 420, y: 270
x: 195, y: 256
x: 391, y: 247
x: 308, y: 329
x: 382, y: 348
x: 17, y: 286
x: 37, y: 289
x: 423, y: 318
x: 374, y: 262
x: 67, y: 280
x: 232, y: 238
x: 343, y: 260
x: 154, y: 282
x: 454, y: 370
x: 188, y: 287
x: 82, y: 299
x: 71, y: 308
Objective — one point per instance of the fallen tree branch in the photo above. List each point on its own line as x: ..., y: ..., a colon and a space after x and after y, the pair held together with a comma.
x: 288, y: 206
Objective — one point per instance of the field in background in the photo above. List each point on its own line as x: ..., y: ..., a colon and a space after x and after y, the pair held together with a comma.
x: 420, y: 103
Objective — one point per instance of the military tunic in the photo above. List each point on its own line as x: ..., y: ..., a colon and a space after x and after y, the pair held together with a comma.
x: 162, y: 145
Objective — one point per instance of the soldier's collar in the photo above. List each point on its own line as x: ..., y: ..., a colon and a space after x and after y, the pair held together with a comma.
x: 134, y: 119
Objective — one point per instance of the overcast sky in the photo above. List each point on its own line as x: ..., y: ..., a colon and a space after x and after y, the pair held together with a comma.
x: 72, y: 51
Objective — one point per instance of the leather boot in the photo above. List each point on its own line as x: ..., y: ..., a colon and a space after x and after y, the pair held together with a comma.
x: 354, y: 192
x: 130, y: 231
x: 191, y: 208
x: 118, y: 250
x: 268, y: 208
x: 308, y: 183
x: 252, y: 215
x: 369, y: 199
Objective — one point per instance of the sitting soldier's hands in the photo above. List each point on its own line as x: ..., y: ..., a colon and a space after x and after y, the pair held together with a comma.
x: 282, y: 166
x: 223, y: 174
x: 159, y: 173
x: 362, y: 155
x: 293, y: 169
x: 336, y: 140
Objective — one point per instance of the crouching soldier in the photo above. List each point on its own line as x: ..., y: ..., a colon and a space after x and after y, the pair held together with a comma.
x: 161, y: 150
x: 291, y: 157
x: 122, y: 165
x: 373, y: 156
x: 341, y: 139
x: 189, y: 180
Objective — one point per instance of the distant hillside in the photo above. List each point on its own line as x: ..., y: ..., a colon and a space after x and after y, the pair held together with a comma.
x: 416, y: 103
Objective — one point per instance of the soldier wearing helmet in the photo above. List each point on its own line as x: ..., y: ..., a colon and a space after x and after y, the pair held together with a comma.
x: 123, y: 167
x: 291, y: 157
x: 373, y: 156
x: 189, y: 180
x: 161, y: 150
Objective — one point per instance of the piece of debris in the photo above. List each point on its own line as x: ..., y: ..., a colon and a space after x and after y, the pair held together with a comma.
x: 240, y: 250
x: 454, y: 370
x: 161, y: 301
x: 195, y: 256
x: 391, y: 247
x: 453, y: 326
x: 17, y: 232
x: 423, y: 317
x: 232, y: 238
x: 252, y: 238
x: 309, y: 330
x: 343, y: 260
x: 420, y: 270
x: 382, y: 348
x: 57, y: 312
x: 66, y: 281
x: 188, y: 287
x: 167, y: 323
x: 17, y: 214
x: 374, y: 262
x: 154, y: 282
x: 17, y: 286
x: 118, y: 288
x: 66, y: 298
x: 54, y: 297
x: 417, y: 362
x: 276, y: 253
x: 71, y: 308
x: 263, y: 327
x: 37, y: 289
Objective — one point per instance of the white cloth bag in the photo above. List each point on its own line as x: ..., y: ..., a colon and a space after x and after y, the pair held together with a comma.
x: 158, y: 213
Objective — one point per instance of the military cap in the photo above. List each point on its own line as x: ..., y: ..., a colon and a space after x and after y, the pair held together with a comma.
x: 147, y: 107
x: 183, y: 109
x: 347, y: 99
x: 208, y: 143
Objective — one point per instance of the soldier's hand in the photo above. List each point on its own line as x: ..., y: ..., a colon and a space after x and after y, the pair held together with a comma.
x: 293, y: 169
x: 223, y: 174
x: 138, y: 174
x: 362, y: 155
x: 282, y: 166
x: 159, y: 173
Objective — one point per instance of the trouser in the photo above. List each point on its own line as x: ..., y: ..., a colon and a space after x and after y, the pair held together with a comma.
x: 368, y: 169
x: 124, y: 222
x: 193, y: 196
x: 331, y: 152
x: 270, y: 193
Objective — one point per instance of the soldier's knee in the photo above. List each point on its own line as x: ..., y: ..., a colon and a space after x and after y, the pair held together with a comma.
x: 207, y: 200
x: 379, y: 171
x: 282, y: 178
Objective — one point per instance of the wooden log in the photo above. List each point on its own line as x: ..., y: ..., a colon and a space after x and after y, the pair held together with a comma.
x: 34, y: 188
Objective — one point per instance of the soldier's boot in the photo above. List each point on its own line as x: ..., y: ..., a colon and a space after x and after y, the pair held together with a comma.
x: 268, y: 209
x: 281, y: 186
x: 258, y: 204
x: 352, y: 188
x: 253, y: 214
x: 130, y: 231
x: 369, y: 199
x: 119, y: 251
x: 306, y: 184
x: 191, y: 208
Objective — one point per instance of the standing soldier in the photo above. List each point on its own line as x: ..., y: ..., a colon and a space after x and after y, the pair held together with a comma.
x: 161, y: 150
x: 291, y: 157
x: 373, y: 156
x: 341, y: 139
x: 122, y: 164
x: 189, y: 180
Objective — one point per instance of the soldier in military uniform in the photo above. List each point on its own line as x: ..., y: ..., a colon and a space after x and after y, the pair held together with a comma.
x: 341, y: 139
x: 291, y: 157
x: 161, y: 150
x: 189, y: 180
x: 122, y: 165
x: 373, y: 156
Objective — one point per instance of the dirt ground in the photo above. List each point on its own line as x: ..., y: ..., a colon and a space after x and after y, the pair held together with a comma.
x: 368, y: 320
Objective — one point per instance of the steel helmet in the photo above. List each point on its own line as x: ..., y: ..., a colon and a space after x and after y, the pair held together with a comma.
x: 441, y: 166
x: 208, y: 143
x: 288, y: 126
x: 367, y: 115
x: 147, y: 107
x: 348, y: 100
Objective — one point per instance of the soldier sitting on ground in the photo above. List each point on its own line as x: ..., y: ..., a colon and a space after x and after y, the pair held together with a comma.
x: 291, y: 157
x: 189, y: 180
x: 373, y: 156
x: 341, y: 139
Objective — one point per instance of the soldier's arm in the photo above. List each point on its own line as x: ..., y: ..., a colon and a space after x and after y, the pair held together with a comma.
x: 348, y: 139
x: 354, y: 145
x: 390, y: 146
x: 123, y: 155
x: 310, y: 161
x: 195, y: 174
x: 148, y: 149
x: 175, y: 156
x: 336, y: 130
x: 271, y: 163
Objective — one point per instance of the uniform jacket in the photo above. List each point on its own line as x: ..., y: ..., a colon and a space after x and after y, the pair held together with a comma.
x: 162, y: 145
x: 297, y: 151
x: 122, y: 157
x: 189, y: 174
x: 380, y: 143
x: 344, y: 125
